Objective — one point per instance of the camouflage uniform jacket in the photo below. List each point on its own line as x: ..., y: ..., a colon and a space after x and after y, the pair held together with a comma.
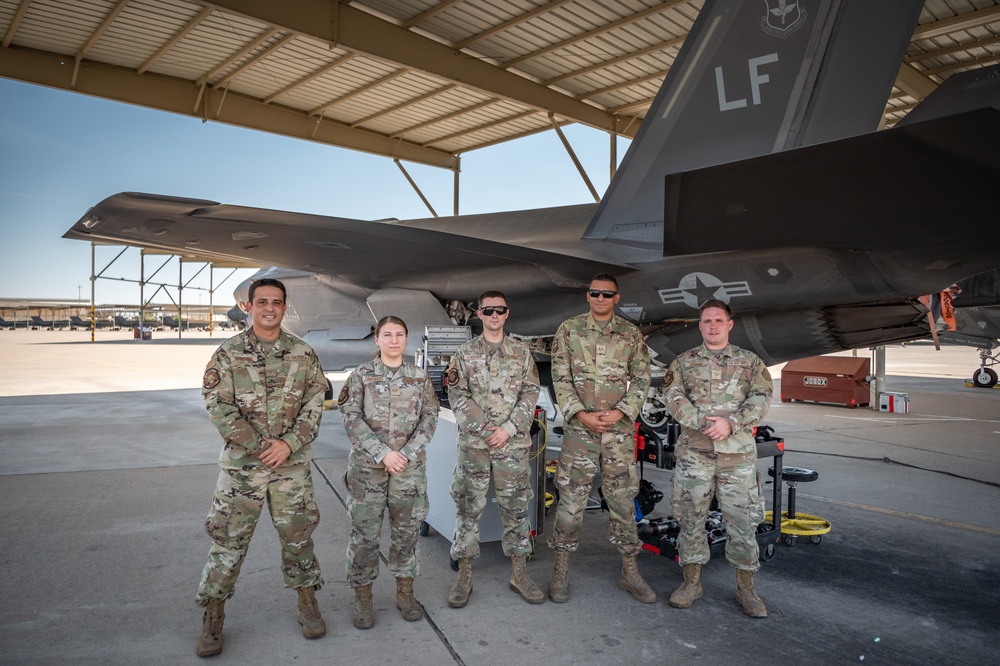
x: 385, y: 411
x: 595, y: 369
x: 488, y: 388
x: 731, y: 382
x: 251, y: 393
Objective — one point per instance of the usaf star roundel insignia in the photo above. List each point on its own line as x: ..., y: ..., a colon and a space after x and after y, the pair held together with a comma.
x: 211, y: 379
x: 345, y: 393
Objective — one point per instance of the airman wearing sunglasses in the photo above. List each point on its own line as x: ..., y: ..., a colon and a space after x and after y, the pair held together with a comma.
x: 493, y: 388
x: 600, y: 370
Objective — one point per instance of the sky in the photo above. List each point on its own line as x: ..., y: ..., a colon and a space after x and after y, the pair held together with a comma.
x: 63, y: 152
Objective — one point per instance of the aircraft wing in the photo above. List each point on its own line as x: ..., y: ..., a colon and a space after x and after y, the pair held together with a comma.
x: 373, y: 255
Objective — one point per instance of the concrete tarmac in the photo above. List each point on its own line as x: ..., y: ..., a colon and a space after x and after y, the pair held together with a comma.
x: 108, y: 463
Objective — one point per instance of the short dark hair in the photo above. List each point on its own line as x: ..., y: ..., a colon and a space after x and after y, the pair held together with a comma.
x: 605, y: 277
x: 491, y: 294
x: 268, y: 282
x: 713, y: 303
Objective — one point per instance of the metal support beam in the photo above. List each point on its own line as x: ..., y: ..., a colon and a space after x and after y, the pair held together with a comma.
x: 360, y: 31
x: 913, y: 83
x: 576, y: 161
x: 177, y: 96
x: 878, y: 360
x: 458, y: 172
x: 416, y: 189
x: 93, y: 283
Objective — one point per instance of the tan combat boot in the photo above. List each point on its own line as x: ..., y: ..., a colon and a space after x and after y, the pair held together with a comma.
x: 364, y: 614
x: 690, y: 589
x: 520, y: 583
x: 406, y: 602
x: 559, y: 585
x: 312, y: 622
x: 630, y: 581
x: 752, y: 605
x: 458, y: 595
x: 210, y: 641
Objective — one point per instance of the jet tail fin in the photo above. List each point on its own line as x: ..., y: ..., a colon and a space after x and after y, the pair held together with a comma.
x: 755, y: 78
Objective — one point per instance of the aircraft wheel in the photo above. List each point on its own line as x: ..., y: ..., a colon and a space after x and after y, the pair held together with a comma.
x: 984, y: 377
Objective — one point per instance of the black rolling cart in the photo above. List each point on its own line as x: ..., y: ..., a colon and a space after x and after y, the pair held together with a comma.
x: 659, y: 535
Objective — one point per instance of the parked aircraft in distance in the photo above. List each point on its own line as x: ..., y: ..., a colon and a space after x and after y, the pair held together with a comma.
x: 38, y: 322
x: 757, y: 178
x: 77, y: 322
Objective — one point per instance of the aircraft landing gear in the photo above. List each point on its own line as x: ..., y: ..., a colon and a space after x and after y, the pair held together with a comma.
x: 985, y: 377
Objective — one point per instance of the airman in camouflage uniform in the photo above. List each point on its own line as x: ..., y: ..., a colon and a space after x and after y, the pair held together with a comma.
x: 264, y: 392
x: 390, y: 413
x: 600, y: 370
x: 493, y: 388
x: 718, y: 393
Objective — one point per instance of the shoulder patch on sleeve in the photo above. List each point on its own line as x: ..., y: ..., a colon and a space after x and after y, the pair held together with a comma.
x: 451, y: 372
x: 668, y: 378
x: 767, y: 375
x: 345, y: 393
x: 211, y: 378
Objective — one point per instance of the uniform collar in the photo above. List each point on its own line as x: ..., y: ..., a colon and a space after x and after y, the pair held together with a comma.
x: 383, y: 369
x: 613, y: 327
x: 253, y: 342
x: 726, y: 351
x: 485, y: 346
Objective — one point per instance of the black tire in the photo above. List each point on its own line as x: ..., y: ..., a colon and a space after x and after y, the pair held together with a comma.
x: 818, y: 539
x: 789, y: 540
x: 768, y: 553
x: 984, y: 378
x: 425, y: 529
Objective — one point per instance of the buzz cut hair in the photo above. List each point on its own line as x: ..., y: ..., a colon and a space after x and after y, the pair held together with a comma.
x: 491, y: 294
x: 605, y: 277
x: 713, y: 303
x: 268, y: 282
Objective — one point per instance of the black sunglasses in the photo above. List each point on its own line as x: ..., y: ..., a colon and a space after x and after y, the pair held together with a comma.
x: 607, y: 293
x: 499, y: 309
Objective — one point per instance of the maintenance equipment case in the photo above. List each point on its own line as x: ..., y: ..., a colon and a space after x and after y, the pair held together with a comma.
x: 840, y: 380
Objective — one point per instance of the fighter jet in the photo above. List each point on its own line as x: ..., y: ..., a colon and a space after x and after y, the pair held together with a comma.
x: 757, y: 178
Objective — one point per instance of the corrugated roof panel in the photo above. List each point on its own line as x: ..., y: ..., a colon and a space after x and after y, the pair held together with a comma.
x: 388, y: 103
x: 465, y: 20
x: 465, y: 122
x: 140, y: 29
x: 60, y: 27
x: 210, y: 44
x: 517, y: 127
x: 395, y: 119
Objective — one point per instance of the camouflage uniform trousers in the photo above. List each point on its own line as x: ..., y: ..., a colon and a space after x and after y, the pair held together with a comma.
x: 732, y: 478
x: 582, y: 453
x: 370, y: 490
x: 511, y: 480
x: 236, y: 507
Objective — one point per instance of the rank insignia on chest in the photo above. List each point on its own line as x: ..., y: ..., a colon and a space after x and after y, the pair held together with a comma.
x: 211, y: 379
x: 345, y: 393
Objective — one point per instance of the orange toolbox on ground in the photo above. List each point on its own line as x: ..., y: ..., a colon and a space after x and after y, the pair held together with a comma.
x: 839, y: 380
